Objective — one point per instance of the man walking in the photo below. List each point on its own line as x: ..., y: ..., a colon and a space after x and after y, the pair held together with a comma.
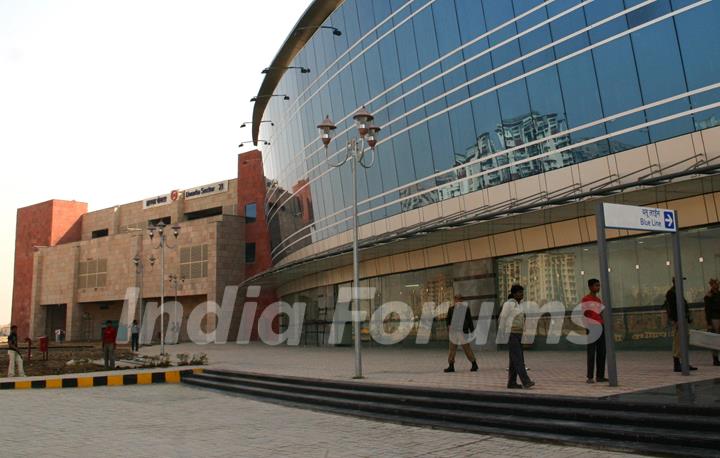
x: 712, y: 313
x: 671, y: 310
x: 459, y: 335
x: 592, y: 311
x: 14, y: 357
x: 512, y: 316
x: 108, y: 342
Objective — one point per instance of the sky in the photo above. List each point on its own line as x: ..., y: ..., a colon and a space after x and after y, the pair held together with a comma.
x: 109, y: 102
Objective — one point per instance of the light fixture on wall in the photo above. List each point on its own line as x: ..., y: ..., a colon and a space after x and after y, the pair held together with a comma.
x: 269, y: 69
x: 264, y: 142
x: 259, y: 122
x: 267, y: 96
x: 335, y: 30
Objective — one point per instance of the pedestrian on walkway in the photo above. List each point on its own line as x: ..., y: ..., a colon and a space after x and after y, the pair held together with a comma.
x: 712, y: 312
x: 592, y: 311
x: 512, y: 316
x: 108, y: 344
x: 15, y: 363
x: 134, y: 336
x: 460, y: 334
x: 671, y: 310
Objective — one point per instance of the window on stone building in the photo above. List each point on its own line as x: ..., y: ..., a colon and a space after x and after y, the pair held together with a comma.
x: 249, y: 253
x: 154, y: 222
x: 250, y: 212
x: 205, y: 213
x: 194, y: 261
x: 92, y: 273
x: 99, y: 233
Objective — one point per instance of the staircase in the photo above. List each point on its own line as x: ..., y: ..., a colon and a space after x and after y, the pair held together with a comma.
x: 664, y: 430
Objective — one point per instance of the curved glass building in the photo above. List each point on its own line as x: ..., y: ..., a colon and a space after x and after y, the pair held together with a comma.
x: 502, y: 123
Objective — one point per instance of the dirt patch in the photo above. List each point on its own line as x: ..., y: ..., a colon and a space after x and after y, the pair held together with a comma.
x: 58, y: 358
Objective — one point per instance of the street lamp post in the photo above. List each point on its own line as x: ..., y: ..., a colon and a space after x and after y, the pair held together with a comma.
x: 160, y: 228
x: 355, y: 150
x: 139, y: 274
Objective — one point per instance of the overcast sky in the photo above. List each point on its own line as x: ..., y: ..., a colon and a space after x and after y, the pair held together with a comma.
x: 108, y: 102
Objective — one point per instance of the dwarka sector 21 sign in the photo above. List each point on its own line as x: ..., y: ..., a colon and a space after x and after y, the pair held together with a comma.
x: 206, y: 190
x: 639, y: 218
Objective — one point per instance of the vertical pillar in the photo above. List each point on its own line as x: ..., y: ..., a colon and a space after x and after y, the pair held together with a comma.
x: 606, y: 297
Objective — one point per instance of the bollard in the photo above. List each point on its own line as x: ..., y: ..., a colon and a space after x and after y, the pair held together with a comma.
x: 44, y: 347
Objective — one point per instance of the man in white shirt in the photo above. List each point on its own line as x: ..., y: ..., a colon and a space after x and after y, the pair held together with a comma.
x: 512, y: 318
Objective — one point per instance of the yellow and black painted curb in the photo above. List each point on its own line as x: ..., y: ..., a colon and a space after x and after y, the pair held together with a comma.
x: 140, y: 378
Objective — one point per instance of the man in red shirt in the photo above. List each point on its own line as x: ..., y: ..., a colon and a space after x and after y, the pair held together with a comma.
x: 109, y: 335
x: 592, y: 311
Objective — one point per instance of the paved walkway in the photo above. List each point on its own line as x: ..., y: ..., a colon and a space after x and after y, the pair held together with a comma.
x: 555, y: 372
x: 179, y: 421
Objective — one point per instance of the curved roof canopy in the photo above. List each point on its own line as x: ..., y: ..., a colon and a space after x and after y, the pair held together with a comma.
x: 308, y: 24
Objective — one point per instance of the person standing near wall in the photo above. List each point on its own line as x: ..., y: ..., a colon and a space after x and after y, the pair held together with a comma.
x: 672, y: 313
x: 15, y: 358
x: 513, y: 316
x: 134, y: 336
x: 712, y: 312
x: 108, y: 343
x: 592, y: 311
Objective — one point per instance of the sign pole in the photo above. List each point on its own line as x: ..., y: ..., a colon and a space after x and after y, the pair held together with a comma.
x: 606, y: 299
x: 682, y: 325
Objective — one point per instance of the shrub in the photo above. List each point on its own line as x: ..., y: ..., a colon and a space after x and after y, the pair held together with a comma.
x: 199, y: 359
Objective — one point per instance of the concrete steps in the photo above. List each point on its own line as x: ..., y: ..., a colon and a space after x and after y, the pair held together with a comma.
x: 669, y: 430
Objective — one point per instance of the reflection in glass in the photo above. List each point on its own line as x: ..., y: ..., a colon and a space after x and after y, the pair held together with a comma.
x: 510, y: 107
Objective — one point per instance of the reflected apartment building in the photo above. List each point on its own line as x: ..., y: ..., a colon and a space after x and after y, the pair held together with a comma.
x: 504, y: 125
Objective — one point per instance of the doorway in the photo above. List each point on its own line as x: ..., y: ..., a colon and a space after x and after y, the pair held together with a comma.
x: 55, y: 316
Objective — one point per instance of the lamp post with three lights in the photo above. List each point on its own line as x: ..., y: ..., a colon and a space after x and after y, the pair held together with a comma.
x: 160, y: 229
x: 355, y: 151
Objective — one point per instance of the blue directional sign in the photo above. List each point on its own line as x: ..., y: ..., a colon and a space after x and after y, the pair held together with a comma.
x: 669, y: 219
x: 639, y: 218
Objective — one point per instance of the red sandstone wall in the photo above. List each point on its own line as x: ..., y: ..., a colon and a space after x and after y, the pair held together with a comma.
x: 252, y: 188
x: 45, y: 224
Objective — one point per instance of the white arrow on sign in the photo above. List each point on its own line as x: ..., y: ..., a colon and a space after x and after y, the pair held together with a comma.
x: 669, y: 220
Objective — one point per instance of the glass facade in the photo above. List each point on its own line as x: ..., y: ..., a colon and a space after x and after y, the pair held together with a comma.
x: 641, y: 274
x: 474, y: 281
x: 471, y: 94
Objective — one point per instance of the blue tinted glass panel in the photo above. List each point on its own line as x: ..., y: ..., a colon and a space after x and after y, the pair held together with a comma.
x: 699, y: 35
x: 661, y: 75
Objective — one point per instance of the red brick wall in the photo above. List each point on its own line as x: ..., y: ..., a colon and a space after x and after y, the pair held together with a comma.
x: 67, y: 221
x: 252, y: 188
x: 46, y: 224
